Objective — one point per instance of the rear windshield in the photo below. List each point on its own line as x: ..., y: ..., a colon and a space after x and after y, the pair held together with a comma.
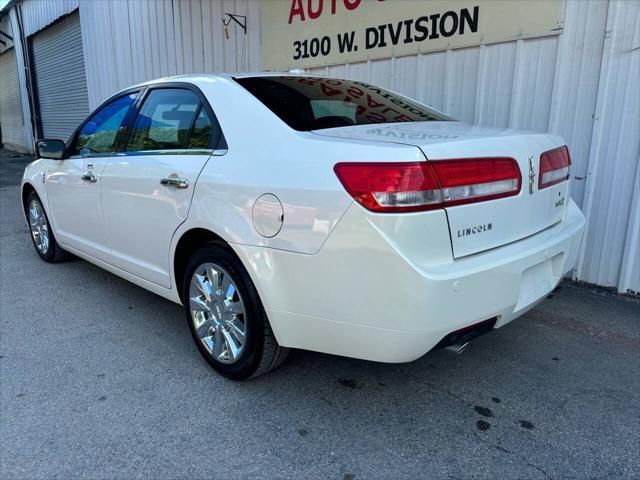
x: 314, y: 103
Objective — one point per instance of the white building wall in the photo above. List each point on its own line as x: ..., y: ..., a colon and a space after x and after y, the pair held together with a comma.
x: 5, y: 27
x: 130, y: 41
x: 611, y: 252
x: 22, y: 80
x: 37, y: 14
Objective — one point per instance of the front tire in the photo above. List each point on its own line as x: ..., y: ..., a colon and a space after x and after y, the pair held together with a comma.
x: 226, y: 317
x: 42, y: 235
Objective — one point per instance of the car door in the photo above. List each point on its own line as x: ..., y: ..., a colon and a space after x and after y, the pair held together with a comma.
x: 73, y: 186
x: 147, y: 189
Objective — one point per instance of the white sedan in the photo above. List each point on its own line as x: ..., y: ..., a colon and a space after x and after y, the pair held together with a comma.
x: 294, y: 211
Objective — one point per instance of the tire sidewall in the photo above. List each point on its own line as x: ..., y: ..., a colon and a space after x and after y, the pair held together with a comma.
x: 254, y: 319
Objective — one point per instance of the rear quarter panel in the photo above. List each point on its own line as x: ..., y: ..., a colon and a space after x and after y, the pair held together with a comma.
x: 266, y: 156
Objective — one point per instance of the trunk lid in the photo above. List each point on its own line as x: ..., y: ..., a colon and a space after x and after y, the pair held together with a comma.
x: 480, y: 226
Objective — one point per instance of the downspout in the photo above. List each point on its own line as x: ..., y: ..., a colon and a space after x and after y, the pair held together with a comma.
x: 29, y: 79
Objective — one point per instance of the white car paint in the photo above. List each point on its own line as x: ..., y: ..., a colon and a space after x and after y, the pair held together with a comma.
x: 446, y: 140
x: 140, y: 215
x: 335, y: 277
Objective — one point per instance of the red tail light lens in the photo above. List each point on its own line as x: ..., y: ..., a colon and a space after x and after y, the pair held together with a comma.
x: 477, y: 179
x: 554, y: 167
x: 419, y: 186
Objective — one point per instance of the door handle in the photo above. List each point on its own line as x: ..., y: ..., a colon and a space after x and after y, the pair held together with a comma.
x: 175, y: 182
x: 90, y: 177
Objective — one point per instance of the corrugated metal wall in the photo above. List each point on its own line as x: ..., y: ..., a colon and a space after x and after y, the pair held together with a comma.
x: 37, y: 14
x: 582, y: 85
x: 61, y: 82
x: 5, y: 27
x: 138, y: 40
x: 11, y: 122
x: 611, y: 255
x: 543, y: 84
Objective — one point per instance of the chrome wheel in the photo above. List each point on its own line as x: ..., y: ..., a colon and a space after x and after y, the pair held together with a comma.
x: 217, y: 312
x: 39, y: 226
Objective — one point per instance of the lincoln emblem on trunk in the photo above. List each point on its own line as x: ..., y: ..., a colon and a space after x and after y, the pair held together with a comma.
x: 532, y: 176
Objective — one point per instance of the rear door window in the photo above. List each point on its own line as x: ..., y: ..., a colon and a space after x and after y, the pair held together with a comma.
x: 164, y: 122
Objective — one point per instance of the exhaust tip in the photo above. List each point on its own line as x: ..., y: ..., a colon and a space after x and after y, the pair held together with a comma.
x: 457, y: 347
x: 457, y: 342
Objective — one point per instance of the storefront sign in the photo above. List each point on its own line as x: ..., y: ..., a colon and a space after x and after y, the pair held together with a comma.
x: 308, y: 33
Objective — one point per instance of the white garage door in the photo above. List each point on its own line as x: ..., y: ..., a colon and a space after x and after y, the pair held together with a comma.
x: 11, y: 120
x: 60, y: 77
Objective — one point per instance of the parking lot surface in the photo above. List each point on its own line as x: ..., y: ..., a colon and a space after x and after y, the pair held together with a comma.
x: 100, y: 379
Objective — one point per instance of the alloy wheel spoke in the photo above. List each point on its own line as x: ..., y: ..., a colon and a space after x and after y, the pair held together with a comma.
x: 199, y: 282
x: 201, y: 323
x: 235, y: 308
x: 212, y: 276
x: 225, y: 284
x: 232, y: 346
x: 237, y: 330
x: 230, y: 291
x: 219, y: 344
x: 199, y: 304
x: 209, y: 343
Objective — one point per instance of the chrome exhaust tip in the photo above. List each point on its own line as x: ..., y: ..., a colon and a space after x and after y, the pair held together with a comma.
x: 457, y: 347
x: 457, y: 341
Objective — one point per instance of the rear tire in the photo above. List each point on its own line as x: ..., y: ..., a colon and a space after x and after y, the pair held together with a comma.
x: 226, y: 317
x: 41, y: 232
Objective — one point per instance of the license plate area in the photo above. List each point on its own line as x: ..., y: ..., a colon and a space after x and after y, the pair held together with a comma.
x: 539, y: 280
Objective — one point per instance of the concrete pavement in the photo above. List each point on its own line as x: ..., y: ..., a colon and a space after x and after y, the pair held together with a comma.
x: 100, y: 379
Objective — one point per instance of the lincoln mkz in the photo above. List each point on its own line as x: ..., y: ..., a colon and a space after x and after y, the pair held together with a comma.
x: 294, y: 211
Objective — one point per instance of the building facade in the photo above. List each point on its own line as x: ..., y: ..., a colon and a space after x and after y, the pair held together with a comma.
x: 59, y: 59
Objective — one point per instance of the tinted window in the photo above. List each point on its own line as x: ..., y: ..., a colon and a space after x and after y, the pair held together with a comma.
x: 165, y: 121
x: 312, y: 103
x: 98, y: 135
x: 201, y: 132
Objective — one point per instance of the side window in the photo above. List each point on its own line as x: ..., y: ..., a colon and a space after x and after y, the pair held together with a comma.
x: 170, y: 119
x: 98, y: 135
x: 201, y: 132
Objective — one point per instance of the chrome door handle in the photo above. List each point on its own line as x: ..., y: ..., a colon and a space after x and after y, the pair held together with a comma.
x: 175, y: 182
x: 90, y: 177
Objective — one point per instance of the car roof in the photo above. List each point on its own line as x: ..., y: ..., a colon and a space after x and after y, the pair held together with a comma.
x: 194, y: 77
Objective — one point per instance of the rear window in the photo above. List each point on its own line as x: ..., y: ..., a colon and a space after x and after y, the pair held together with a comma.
x: 314, y: 103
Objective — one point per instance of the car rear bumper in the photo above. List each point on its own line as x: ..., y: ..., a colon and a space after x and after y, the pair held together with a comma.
x: 361, y: 297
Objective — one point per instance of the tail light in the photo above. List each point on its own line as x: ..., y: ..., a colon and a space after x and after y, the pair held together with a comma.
x: 419, y: 186
x: 554, y: 167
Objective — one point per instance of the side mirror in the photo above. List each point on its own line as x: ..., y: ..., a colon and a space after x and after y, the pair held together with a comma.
x: 53, y: 149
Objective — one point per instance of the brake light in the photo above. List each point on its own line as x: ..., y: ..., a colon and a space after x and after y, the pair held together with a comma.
x: 554, y: 167
x: 419, y: 186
